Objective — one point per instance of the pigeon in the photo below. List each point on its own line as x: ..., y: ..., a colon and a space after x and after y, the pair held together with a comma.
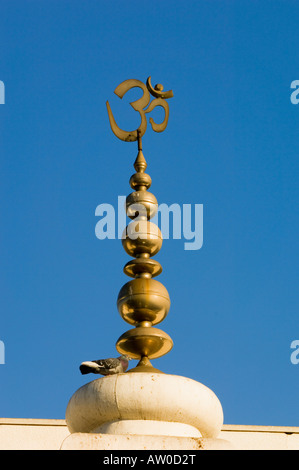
x: 108, y: 366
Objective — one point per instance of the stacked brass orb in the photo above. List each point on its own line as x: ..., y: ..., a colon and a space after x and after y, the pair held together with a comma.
x: 143, y: 301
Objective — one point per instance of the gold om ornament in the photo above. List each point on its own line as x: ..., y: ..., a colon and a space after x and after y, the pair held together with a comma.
x: 140, y: 106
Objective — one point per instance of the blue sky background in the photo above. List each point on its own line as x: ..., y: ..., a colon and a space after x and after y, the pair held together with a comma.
x: 231, y: 144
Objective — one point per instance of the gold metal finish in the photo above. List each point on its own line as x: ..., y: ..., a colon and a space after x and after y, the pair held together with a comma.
x: 137, y: 267
x: 139, y: 106
x: 143, y: 301
x: 144, y: 342
x: 142, y: 237
x: 143, y: 202
x: 144, y: 365
x: 140, y: 181
x: 158, y: 90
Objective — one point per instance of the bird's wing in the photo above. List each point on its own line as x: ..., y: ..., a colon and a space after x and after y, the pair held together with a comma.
x: 109, y: 363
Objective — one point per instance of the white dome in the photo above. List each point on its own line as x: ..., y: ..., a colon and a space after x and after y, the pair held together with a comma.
x: 114, y: 403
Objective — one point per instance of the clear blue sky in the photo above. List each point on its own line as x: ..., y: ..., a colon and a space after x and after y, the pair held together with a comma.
x: 231, y: 144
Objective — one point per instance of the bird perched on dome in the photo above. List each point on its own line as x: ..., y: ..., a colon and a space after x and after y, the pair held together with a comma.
x: 108, y: 366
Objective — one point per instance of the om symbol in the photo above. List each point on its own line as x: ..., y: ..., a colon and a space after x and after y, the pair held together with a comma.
x: 139, y: 106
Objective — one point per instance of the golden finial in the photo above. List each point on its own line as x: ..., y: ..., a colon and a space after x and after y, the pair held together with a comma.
x: 143, y: 302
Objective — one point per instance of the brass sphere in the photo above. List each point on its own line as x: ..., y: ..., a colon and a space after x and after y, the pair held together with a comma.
x: 142, y: 300
x: 143, y: 202
x: 142, y: 341
x: 141, y: 236
x: 140, y: 179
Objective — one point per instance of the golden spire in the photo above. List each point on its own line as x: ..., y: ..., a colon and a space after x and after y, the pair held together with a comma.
x: 143, y: 302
